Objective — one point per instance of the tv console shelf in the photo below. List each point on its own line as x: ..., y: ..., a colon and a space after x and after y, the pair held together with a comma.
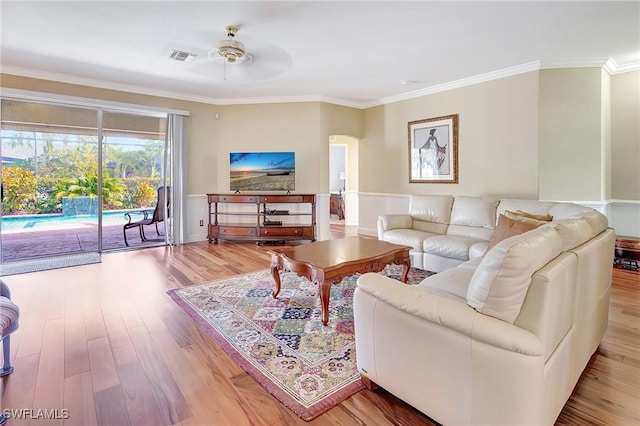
x: 261, y: 217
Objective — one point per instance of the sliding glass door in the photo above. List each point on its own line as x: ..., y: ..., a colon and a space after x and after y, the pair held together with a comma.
x: 46, y: 152
x: 133, y: 153
x: 73, y: 176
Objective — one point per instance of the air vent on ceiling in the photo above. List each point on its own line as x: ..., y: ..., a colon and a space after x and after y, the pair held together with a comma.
x: 181, y: 56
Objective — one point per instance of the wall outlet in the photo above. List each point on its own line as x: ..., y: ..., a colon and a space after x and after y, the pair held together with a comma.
x: 201, y: 222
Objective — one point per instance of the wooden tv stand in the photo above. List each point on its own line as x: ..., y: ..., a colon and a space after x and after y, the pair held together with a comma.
x: 261, y: 217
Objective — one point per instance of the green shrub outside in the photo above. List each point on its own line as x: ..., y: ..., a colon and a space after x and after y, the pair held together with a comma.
x: 25, y: 193
x: 19, y: 190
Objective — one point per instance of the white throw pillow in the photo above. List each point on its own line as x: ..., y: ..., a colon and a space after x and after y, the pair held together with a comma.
x: 500, y: 283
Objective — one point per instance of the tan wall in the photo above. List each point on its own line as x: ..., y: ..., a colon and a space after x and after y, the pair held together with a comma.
x: 625, y: 136
x: 498, y: 140
x: 605, y: 136
x: 276, y: 127
x: 571, y: 128
x: 300, y: 127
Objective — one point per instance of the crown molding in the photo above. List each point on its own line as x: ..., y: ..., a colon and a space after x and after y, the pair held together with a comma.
x: 29, y: 95
x: 141, y: 90
x: 493, y: 75
x: 102, y: 84
x: 621, y: 69
x: 608, y: 64
x: 289, y: 99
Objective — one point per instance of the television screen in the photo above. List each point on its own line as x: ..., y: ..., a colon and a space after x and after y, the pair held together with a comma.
x: 262, y: 171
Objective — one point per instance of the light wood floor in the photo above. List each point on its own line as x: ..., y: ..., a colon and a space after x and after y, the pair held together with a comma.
x: 105, y: 342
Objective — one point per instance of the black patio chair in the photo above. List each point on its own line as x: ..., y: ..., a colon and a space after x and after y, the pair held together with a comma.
x: 156, y: 217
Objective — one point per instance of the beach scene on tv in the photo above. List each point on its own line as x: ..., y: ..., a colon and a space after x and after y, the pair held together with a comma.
x: 262, y: 171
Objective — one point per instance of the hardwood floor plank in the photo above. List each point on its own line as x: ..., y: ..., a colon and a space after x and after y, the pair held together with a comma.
x: 55, y: 304
x: 138, y: 396
x: 76, y: 352
x: 49, y: 385
x: 190, y: 376
x: 78, y: 399
x: 32, y: 325
x: 261, y: 405
x: 19, y: 388
x: 168, y: 397
x: 197, y: 381
x: 111, y: 409
x: 121, y: 347
x: 93, y: 322
x: 103, y: 367
x: 392, y: 409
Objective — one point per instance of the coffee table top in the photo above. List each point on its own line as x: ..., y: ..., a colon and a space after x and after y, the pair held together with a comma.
x: 330, y: 253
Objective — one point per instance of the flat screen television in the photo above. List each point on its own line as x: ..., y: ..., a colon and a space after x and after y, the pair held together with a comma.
x: 262, y: 171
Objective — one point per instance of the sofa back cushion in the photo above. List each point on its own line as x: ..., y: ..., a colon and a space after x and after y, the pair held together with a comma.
x: 575, y: 232
x: 473, y: 217
x: 500, y: 283
x: 430, y: 213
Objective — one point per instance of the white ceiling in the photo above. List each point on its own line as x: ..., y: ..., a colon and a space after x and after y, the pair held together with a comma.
x: 351, y: 52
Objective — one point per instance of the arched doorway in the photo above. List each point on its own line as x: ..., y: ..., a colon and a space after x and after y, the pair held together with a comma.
x: 343, y: 177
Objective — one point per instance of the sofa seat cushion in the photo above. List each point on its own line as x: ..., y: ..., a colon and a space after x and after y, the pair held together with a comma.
x: 450, y: 283
x: 478, y: 249
x: 500, y: 283
x: 407, y: 237
x: 450, y: 246
x: 9, y: 313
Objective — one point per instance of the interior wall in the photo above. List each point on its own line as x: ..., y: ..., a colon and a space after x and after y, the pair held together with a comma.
x: 337, y: 164
x: 497, y: 140
x: 274, y: 127
x: 625, y: 136
x: 605, y: 135
x: 571, y: 128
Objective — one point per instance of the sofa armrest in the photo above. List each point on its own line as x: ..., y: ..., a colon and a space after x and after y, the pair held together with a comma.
x: 394, y: 221
x: 450, y: 313
x: 4, y: 290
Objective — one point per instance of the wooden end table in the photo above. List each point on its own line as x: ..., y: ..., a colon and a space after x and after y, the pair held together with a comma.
x: 328, y: 262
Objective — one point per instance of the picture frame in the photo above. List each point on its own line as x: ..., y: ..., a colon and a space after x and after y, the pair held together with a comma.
x: 433, y: 150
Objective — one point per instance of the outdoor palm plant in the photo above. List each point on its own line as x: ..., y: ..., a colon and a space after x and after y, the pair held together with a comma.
x: 113, y: 189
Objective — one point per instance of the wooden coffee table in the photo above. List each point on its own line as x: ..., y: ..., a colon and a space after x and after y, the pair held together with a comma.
x: 328, y: 262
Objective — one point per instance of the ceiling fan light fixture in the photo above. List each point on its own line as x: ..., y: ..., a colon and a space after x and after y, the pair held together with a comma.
x: 230, y: 50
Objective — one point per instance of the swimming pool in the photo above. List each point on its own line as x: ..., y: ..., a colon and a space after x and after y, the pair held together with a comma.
x: 48, y: 222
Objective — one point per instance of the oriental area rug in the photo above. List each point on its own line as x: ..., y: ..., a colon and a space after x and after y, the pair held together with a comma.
x: 281, y: 343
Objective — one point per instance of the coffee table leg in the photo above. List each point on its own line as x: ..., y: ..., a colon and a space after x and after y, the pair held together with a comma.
x: 325, y: 292
x: 406, y: 265
x: 276, y: 278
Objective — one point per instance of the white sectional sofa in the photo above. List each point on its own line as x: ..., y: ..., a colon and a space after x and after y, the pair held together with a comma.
x: 497, y: 337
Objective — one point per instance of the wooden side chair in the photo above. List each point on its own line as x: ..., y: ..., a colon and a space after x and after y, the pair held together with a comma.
x: 156, y: 217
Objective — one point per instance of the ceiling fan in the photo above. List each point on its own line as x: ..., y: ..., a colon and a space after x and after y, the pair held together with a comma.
x: 267, y: 60
x: 230, y: 51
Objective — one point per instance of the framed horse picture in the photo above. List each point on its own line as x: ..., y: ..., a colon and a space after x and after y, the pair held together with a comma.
x: 433, y: 150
